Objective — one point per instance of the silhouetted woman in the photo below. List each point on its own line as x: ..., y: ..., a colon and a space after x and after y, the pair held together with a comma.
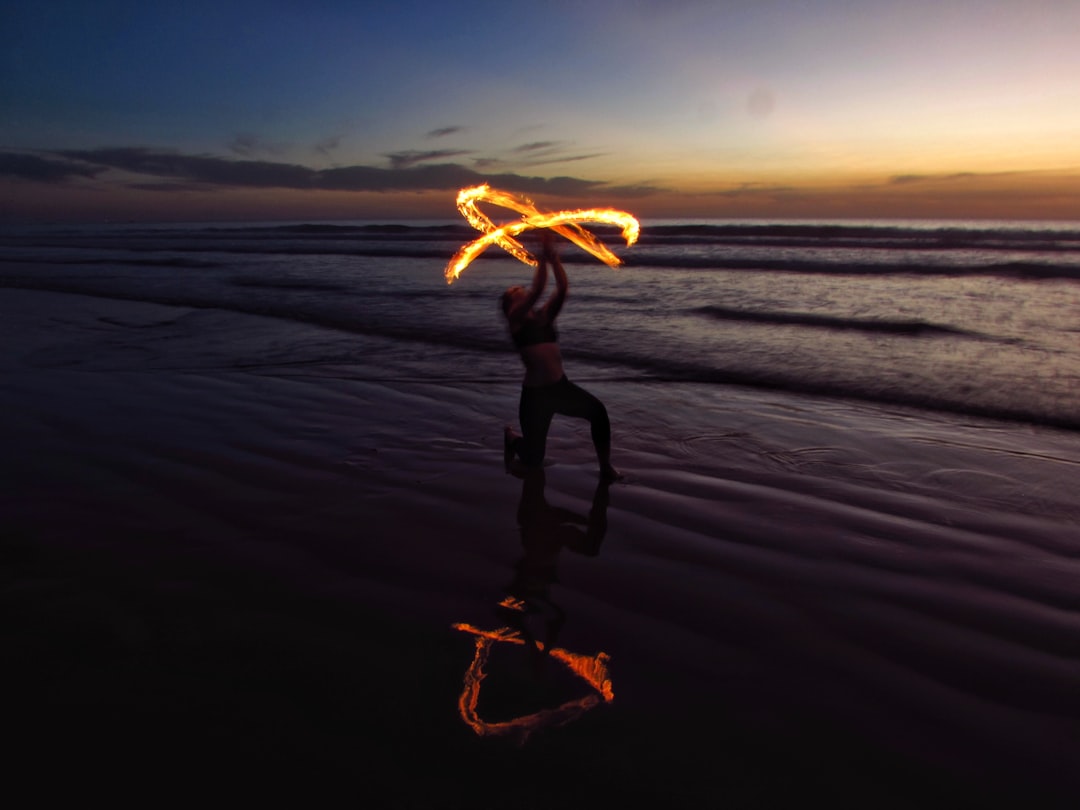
x: 546, y: 391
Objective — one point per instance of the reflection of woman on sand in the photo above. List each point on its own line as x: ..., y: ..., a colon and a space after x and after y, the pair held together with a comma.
x: 546, y: 391
x: 545, y: 531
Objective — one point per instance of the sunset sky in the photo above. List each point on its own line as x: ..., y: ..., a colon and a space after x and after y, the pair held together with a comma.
x: 667, y: 108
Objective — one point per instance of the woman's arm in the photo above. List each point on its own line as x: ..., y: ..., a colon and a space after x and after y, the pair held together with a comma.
x: 539, y: 281
x: 562, y: 284
x: 521, y: 307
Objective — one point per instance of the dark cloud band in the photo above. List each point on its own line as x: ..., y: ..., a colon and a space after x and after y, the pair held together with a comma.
x: 44, y: 170
x: 225, y: 172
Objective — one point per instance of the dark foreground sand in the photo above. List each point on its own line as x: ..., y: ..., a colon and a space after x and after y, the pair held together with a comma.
x: 243, y: 580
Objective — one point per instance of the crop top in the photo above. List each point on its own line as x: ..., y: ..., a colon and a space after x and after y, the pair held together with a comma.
x: 534, y: 331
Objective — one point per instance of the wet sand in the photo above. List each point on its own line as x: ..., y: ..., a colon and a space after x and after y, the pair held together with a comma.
x: 256, y: 575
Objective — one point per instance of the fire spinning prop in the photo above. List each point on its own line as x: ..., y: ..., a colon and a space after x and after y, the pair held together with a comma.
x: 564, y: 223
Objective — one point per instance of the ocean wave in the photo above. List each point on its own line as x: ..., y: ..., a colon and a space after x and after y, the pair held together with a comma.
x: 1014, y: 269
x: 165, y: 261
x: 286, y: 284
x: 651, y: 369
x: 253, y: 249
x: 282, y: 309
x: 931, y: 236
x: 614, y: 364
x: 897, y: 327
x: 1038, y: 236
x: 826, y: 249
x: 402, y: 232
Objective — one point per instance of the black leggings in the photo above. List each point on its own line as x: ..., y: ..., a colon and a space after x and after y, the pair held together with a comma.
x: 539, y: 403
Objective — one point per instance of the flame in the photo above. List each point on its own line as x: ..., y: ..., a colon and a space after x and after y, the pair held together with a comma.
x: 592, y: 669
x: 513, y: 603
x: 564, y: 223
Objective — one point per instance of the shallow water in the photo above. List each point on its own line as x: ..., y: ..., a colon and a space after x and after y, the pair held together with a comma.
x: 965, y: 318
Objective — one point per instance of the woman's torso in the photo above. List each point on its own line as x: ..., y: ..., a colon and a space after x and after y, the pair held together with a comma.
x: 537, y: 342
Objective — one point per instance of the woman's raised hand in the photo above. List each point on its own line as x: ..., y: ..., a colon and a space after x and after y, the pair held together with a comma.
x: 547, y: 243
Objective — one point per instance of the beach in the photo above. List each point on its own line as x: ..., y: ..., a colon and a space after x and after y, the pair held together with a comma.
x: 223, y: 567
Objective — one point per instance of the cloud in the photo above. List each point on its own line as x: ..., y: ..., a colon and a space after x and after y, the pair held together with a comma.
x: 41, y: 169
x: 752, y: 189
x: 442, y: 132
x: 172, y: 170
x: 563, y: 159
x: 198, y: 168
x: 907, y: 179
x: 328, y: 145
x: 244, y: 144
x: 541, y: 153
x: 536, y: 146
x: 248, y: 144
x: 537, y: 154
x: 403, y: 160
x: 633, y: 192
x: 445, y: 177
x: 372, y: 178
x: 167, y: 186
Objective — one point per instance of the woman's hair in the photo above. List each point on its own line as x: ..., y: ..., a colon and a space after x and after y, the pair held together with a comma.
x: 504, y: 302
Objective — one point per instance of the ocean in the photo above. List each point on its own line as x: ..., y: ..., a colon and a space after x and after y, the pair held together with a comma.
x: 970, y: 318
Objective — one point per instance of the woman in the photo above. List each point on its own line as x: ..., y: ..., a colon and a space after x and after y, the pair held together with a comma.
x: 545, y: 390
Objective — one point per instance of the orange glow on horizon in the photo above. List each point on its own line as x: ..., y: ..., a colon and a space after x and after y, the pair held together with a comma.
x: 564, y: 223
x: 909, y: 192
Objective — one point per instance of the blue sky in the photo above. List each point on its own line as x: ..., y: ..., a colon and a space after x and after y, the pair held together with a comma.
x: 359, y: 109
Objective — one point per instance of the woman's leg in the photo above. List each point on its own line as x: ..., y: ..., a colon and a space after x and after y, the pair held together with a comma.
x: 534, y: 412
x: 573, y: 400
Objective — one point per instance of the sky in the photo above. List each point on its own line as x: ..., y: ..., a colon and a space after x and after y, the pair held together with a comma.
x: 282, y: 110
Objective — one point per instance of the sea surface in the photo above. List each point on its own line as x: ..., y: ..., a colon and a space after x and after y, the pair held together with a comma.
x: 972, y: 318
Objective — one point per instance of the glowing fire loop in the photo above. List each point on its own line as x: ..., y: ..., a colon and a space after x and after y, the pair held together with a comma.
x: 591, y: 669
x: 564, y: 223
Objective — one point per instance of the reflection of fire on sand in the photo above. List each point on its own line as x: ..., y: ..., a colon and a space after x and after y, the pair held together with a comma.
x: 591, y: 669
